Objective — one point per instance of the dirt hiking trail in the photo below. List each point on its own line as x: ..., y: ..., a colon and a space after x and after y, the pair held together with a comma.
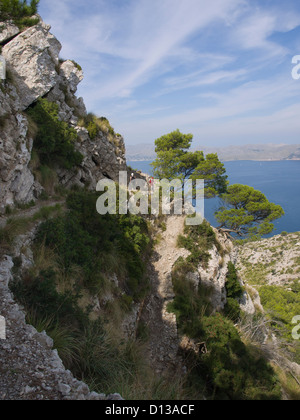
x: 162, y: 327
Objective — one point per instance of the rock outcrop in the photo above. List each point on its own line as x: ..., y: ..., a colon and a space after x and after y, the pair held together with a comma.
x: 32, y: 58
x: 34, y: 70
x: 30, y: 369
x: 7, y: 31
x: 215, y: 274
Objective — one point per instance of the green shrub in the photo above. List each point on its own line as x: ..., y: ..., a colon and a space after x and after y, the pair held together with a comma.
x: 233, y: 286
x: 77, y: 65
x: 190, y: 303
x: 121, y: 238
x: 13, y: 228
x: 282, y: 306
x: 234, y: 291
x: 96, y: 124
x: 199, y: 240
x: 55, y: 140
x: 20, y: 12
x: 231, y: 369
x: 232, y: 309
x: 40, y: 293
x: 224, y: 367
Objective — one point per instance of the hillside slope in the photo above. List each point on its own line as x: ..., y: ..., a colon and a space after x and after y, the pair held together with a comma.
x: 35, y: 72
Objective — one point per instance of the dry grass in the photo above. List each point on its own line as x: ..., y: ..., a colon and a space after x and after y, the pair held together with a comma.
x: 14, y: 227
x: 289, y: 383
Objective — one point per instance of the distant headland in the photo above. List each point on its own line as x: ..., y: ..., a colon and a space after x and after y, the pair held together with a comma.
x: 258, y: 152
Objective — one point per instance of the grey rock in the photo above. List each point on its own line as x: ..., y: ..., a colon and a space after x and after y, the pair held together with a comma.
x: 32, y: 58
x: 64, y: 389
x: 71, y: 75
x: 44, y: 340
x: 7, y: 31
x: 115, y: 397
x: 29, y: 366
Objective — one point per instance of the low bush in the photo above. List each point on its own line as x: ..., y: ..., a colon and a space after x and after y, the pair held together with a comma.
x: 234, y: 288
x: 123, y: 239
x: 199, y: 240
x: 55, y: 140
x: 282, y: 306
x: 191, y: 303
x: 234, y: 291
x: 232, y: 370
x: 20, y: 12
x: 224, y: 367
x: 96, y: 124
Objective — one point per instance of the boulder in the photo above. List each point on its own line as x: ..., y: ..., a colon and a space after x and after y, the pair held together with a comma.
x: 7, y: 31
x: 32, y: 59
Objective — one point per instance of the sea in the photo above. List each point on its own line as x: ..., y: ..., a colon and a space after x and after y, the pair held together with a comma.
x: 279, y: 181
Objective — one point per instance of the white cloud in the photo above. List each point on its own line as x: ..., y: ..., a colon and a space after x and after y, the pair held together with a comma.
x: 252, y: 109
x: 256, y: 28
x: 142, y: 59
x: 143, y: 36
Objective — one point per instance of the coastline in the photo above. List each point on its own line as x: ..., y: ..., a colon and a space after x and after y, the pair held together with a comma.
x: 129, y: 159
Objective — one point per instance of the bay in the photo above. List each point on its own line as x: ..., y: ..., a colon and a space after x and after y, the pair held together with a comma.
x: 279, y: 181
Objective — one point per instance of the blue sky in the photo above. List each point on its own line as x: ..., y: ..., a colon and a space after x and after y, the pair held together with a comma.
x: 219, y: 69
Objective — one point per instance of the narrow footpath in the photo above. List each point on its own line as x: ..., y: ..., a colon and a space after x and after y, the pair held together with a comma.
x: 162, y: 327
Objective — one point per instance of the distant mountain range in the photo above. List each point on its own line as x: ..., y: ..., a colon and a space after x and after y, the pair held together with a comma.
x: 258, y: 152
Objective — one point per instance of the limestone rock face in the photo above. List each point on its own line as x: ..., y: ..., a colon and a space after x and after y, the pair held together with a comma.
x: 16, y: 180
x: 71, y: 74
x: 35, y: 71
x: 214, y: 277
x: 32, y: 58
x: 7, y: 31
x: 103, y: 156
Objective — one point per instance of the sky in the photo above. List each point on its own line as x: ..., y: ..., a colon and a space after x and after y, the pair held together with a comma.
x: 219, y: 69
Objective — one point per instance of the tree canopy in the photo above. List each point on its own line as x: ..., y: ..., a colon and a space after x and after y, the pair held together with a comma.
x: 247, y: 211
x: 175, y: 161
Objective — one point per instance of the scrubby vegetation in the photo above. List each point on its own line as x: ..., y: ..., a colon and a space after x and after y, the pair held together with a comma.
x: 272, y: 267
x: 19, y: 11
x: 282, y: 306
x: 107, y: 243
x: 224, y: 367
x: 199, y: 240
x: 75, y: 256
x: 234, y: 291
x: 96, y: 124
x: 230, y: 369
x: 16, y: 226
x: 54, y: 140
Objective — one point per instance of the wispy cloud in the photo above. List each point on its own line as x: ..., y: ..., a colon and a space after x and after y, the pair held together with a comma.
x: 188, y: 63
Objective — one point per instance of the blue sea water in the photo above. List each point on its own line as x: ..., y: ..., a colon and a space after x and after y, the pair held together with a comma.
x: 279, y: 181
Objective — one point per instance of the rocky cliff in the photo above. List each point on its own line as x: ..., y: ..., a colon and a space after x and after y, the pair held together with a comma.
x: 30, y: 369
x: 35, y: 71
